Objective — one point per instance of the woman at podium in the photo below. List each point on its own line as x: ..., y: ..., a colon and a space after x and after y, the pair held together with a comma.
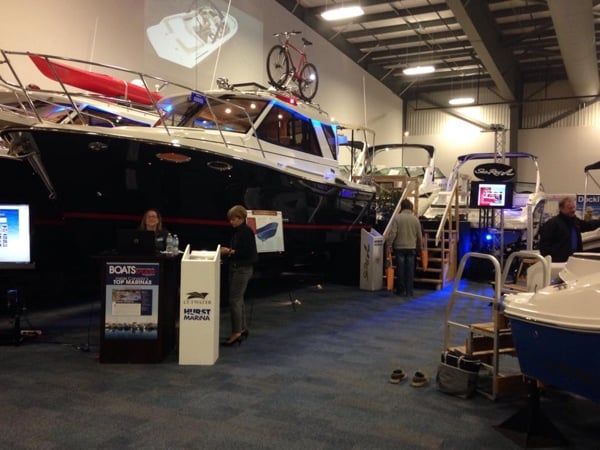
x: 152, y: 221
x: 242, y: 256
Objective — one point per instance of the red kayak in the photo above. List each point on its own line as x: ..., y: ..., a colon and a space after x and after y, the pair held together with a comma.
x: 95, y: 82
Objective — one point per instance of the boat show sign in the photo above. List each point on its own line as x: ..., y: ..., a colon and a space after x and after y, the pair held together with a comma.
x: 131, y: 300
x: 268, y: 230
x: 494, y: 172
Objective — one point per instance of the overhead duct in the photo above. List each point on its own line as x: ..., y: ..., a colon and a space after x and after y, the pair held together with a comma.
x: 574, y: 25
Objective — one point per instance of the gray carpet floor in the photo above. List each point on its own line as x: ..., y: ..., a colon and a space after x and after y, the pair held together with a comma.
x: 311, y: 378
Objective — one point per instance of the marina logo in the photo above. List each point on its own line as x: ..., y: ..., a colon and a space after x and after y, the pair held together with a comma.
x: 196, y: 314
x: 195, y: 294
x: 494, y: 172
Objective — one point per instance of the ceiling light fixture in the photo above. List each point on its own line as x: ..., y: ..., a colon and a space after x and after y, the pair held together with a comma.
x: 345, y: 12
x: 460, y: 101
x: 419, y: 70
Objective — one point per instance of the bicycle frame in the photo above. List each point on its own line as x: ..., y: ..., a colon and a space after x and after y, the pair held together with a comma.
x: 302, y: 59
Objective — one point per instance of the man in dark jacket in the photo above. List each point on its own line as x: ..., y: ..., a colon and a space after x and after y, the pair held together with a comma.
x: 560, y: 236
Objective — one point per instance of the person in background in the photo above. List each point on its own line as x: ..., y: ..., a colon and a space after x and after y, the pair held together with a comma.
x: 405, y: 238
x: 242, y: 256
x: 560, y: 236
x: 152, y: 221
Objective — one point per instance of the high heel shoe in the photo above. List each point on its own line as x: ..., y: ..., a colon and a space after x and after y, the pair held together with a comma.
x: 245, y: 334
x: 228, y: 343
x: 233, y: 340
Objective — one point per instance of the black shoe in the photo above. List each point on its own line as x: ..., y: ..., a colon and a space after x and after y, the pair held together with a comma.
x: 238, y: 341
x: 233, y: 340
x: 245, y: 335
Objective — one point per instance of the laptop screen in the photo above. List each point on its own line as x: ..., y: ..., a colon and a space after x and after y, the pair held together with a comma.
x: 136, y: 242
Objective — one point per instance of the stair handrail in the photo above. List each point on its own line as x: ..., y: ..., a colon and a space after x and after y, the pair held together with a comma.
x: 526, y: 254
x: 447, y: 212
x: 386, y: 232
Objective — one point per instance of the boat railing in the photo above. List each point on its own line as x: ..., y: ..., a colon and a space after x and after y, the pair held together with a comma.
x: 143, y: 81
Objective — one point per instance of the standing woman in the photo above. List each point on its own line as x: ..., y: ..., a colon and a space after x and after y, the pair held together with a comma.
x: 242, y: 256
x: 152, y: 221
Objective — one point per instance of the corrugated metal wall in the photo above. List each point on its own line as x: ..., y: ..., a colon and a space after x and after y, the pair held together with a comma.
x: 544, y: 107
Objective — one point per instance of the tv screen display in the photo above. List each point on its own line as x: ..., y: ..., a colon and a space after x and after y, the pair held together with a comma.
x: 14, y: 234
x: 485, y: 194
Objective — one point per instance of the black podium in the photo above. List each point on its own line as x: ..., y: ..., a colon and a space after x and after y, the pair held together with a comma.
x: 140, y: 306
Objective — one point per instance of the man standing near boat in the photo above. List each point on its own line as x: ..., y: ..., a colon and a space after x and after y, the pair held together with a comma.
x: 560, y: 236
x: 405, y: 238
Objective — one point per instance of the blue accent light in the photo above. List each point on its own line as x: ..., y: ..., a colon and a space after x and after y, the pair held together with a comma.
x: 488, y: 237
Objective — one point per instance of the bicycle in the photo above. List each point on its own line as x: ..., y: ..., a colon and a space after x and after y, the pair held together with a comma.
x: 281, y: 68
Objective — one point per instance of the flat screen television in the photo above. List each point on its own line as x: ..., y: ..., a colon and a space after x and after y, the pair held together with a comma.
x: 14, y: 234
x: 488, y: 194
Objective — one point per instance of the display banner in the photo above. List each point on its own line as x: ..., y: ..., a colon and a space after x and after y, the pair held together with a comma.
x: 131, y: 300
x: 268, y: 230
x: 592, y: 206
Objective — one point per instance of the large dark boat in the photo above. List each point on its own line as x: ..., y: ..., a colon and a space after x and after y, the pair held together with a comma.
x: 241, y: 144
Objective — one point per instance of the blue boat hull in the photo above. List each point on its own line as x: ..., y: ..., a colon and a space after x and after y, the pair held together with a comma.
x: 566, y: 359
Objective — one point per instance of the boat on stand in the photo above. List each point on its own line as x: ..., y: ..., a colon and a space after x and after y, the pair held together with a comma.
x: 239, y: 144
x: 557, y: 329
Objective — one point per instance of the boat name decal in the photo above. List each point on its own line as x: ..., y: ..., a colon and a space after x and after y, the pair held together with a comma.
x: 494, y: 172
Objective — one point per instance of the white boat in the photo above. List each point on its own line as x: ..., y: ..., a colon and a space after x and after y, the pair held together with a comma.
x: 393, y: 164
x: 556, y: 330
x: 239, y: 144
x: 190, y: 37
x: 520, y: 221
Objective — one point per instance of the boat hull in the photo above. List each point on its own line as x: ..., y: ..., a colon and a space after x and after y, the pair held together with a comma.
x: 561, y: 357
x: 104, y: 183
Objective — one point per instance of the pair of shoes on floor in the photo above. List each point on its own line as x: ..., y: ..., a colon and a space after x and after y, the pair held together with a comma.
x: 419, y: 379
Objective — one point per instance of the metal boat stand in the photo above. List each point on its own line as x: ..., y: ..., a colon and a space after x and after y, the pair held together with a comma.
x: 529, y: 427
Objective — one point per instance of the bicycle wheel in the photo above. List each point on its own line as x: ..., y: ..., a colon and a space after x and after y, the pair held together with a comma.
x: 308, y: 83
x: 278, y: 66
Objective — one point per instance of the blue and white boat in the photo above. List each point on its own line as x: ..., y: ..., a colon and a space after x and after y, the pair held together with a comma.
x: 556, y: 330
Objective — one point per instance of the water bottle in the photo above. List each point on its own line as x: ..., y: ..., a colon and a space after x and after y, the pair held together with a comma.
x: 175, y: 244
x: 170, y: 243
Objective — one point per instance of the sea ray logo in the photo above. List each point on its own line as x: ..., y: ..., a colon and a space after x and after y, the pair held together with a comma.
x: 195, y: 294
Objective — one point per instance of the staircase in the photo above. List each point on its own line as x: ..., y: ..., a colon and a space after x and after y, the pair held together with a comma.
x: 490, y: 342
x: 440, y: 237
x: 442, y: 256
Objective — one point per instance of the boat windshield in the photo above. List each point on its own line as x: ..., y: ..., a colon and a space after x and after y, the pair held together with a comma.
x: 228, y: 114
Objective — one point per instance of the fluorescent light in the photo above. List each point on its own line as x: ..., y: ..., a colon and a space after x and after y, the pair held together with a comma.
x: 419, y: 70
x: 461, y: 101
x: 345, y: 12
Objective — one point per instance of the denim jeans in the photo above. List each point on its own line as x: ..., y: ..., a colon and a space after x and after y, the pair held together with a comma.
x: 238, y: 282
x: 405, y: 270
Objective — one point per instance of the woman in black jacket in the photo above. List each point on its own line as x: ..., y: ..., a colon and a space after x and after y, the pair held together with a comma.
x: 242, y: 255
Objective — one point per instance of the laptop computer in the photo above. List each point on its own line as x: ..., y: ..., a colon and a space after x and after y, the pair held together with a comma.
x: 136, y: 243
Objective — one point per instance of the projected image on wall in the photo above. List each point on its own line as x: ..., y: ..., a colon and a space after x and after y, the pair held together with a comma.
x: 187, y: 38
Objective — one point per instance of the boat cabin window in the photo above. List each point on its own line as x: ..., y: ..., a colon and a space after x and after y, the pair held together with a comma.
x: 227, y: 114
x: 330, y: 136
x: 284, y: 127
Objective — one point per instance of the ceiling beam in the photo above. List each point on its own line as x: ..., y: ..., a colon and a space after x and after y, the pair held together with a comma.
x: 480, y: 28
